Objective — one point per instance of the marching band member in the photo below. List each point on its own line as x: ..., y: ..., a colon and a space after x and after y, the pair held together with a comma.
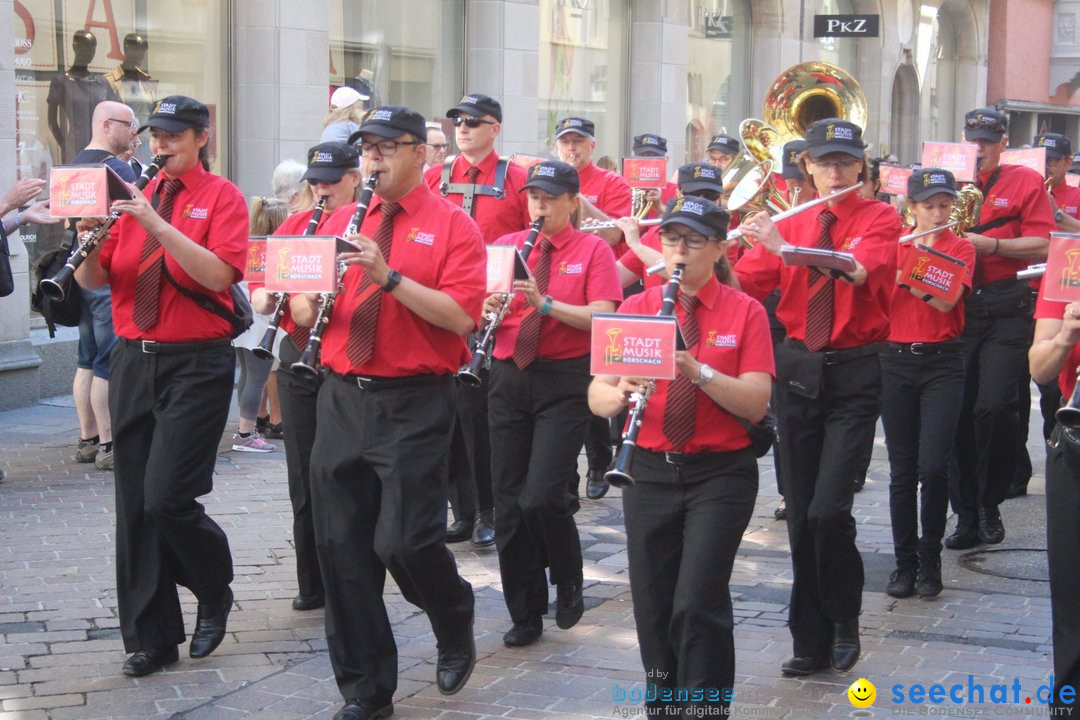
x: 537, y: 405
x: 922, y: 371
x: 722, y: 150
x: 650, y: 145
x: 829, y: 384
x: 799, y: 187
x: 1065, y: 198
x: 695, y: 473
x: 172, y: 380
x: 1013, y: 228
x: 379, y: 462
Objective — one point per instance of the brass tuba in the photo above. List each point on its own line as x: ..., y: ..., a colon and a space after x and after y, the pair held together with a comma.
x: 812, y: 91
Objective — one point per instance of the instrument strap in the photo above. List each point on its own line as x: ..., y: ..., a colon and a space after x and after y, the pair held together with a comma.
x: 469, y: 191
x: 997, y: 222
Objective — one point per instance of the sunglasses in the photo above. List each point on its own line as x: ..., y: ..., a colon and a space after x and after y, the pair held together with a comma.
x: 470, y: 122
x: 985, y: 123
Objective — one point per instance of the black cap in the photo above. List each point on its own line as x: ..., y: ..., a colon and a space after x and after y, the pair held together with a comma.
x: 1056, y: 144
x: 477, y: 105
x: 985, y: 124
x: 177, y: 113
x: 790, y: 161
x: 389, y: 121
x: 1076, y: 164
x: 329, y: 161
x: 927, y: 182
x: 833, y: 135
x: 578, y: 125
x: 554, y: 177
x: 706, y: 217
x: 649, y: 144
x: 725, y: 143
x: 700, y: 176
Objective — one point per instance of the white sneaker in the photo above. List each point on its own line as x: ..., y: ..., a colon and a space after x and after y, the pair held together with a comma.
x: 252, y: 443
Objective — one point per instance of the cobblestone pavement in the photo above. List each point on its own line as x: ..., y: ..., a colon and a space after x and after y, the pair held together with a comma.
x: 61, y: 651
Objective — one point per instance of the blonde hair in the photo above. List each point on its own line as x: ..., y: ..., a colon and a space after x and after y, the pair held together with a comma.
x: 267, y: 213
x: 354, y: 112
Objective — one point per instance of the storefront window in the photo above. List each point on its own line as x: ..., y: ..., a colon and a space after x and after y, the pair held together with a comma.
x: 937, y: 63
x: 582, y: 56
x: 718, y: 69
x: 842, y: 52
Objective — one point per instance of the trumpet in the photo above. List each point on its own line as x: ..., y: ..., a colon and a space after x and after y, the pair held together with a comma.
x: 53, y: 288
x: 619, y: 474
x: 737, y: 234
x: 1069, y: 414
x: 265, y: 348
x: 470, y: 374
x: 308, y: 364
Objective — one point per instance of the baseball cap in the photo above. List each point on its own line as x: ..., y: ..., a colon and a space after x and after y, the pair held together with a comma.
x: 177, y: 113
x: 725, y: 143
x: 649, y: 144
x: 1056, y: 144
x: 329, y: 161
x: 833, y: 135
x: 578, y: 125
x: 985, y: 124
x: 389, y: 121
x: 706, y: 217
x: 554, y: 177
x: 477, y: 105
x: 927, y: 182
x: 697, y: 176
x: 792, y: 151
x: 344, y: 97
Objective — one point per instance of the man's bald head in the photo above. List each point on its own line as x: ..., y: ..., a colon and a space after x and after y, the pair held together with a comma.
x: 114, y: 126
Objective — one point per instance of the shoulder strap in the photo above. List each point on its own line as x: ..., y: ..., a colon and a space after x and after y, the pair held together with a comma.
x: 203, y: 301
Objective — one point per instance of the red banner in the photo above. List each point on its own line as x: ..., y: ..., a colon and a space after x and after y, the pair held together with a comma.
x: 526, y: 161
x: 958, y: 158
x: 645, y: 172
x: 255, y: 268
x: 633, y: 346
x: 301, y: 263
x: 78, y: 192
x: 1034, y: 158
x: 500, y: 268
x: 1062, y: 279
x: 933, y: 273
x: 894, y: 179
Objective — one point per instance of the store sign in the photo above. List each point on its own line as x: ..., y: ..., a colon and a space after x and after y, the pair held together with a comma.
x: 846, y: 25
x: 719, y: 26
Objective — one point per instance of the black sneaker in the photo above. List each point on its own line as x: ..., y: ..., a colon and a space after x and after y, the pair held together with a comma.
x: 991, y: 529
x: 569, y: 604
x: 901, y: 582
x: 929, y: 582
x: 963, y: 537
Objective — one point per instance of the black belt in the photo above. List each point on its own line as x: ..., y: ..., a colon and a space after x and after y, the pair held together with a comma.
x: 374, y: 384
x: 837, y: 357
x: 680, y: 459
x: 152, y: 347
x: 927, y: 348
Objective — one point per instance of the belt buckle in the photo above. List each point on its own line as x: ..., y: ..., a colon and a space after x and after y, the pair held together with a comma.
x: 148, y: 346
x: 917, y: 348
x: 674, y: 458
x: 362, y: 382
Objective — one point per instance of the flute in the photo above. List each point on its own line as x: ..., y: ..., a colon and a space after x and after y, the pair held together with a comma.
x: 738, y: 234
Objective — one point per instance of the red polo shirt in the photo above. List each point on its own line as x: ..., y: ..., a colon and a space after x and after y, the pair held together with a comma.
x: 632, y: 262
x: 734, y: 339
x: 436, y: 245
x: 1053, y: 310
x: 211, y: 212
x: 582, y: 271
x: 606, y: 190
x: 913, y: 320
x: 868, y: 229
x: 1067, y: 198
x: 1019, y: 193
x: 495, y: 217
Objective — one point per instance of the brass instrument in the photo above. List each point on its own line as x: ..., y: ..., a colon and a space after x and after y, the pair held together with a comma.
x: 308, y: 364
x: 53, y: 288
x: 1069, y: 414
x: 812, y: 91
x: 265, y: 348
x: 639, y: 206
x: 619, y: 474
x: 964, y: 214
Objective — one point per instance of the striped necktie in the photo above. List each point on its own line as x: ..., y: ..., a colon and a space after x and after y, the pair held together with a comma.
x: 148, y: 282
x: 819, y: 307
x: 528, y: 339
x: 361, y: 343
x: 681, y: 395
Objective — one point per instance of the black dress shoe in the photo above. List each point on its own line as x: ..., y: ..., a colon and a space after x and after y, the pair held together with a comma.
x: 991, y: 529
x: 483, y: 534
x: 859, y: 484
x: 308, y: 602
x: 455, y: 665
x: 798, y: 666
x: 596, y: 487
x: 780, y: 513
x: 363, y: 710
x: 145, y: 662
x: 459, y: 531
x: 963, y: 537
x: 569, y: 604
x: 210, y: 625
x: 901, y: 583
x: 929, y: 582
x: 524, y: 633
x: 845, y: 644
x: 1016, y: 489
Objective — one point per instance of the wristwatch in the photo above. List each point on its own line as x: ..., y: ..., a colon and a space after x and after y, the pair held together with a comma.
x: 392, y: 280
x: 705, y: 376
x: 1059, y: 214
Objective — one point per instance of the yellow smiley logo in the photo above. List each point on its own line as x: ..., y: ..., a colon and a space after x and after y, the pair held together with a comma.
x: 862, y: 693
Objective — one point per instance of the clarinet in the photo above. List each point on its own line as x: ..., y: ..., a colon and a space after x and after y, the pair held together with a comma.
x: 470, y: 374
x: 619, y: 475
x: 308, y: 364
x: 53, y: 288
x: 265, y: 348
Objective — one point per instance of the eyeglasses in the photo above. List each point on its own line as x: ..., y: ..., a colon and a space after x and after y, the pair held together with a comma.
x: 836, y: 164
x: 438, y: 147
x: 470, y: 122
x: 133, y: 124
x: 693, y: 241
x: 386, y: 147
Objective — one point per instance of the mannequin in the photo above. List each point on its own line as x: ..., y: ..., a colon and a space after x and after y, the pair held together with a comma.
x: 133, y: 84
x: 73, y: 96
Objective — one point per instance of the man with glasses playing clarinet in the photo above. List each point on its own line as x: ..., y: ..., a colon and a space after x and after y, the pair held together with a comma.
x: 828, y: 378
x: 379, y: 463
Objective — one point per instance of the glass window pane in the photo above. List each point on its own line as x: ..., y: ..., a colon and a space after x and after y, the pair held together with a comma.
x: 718, y: 65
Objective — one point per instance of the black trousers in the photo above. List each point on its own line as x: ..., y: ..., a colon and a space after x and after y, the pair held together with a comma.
x: 825, y: 441
x: 538, y: 422
x: 598, y: 448
x: 683, y: 528
x: 920, y: 409
x: 1062, y: 547
x: 297, y: 394
x: 168, y: 414
x: 997, y: 335
x: 378, y: 492
x: 470, y: 451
